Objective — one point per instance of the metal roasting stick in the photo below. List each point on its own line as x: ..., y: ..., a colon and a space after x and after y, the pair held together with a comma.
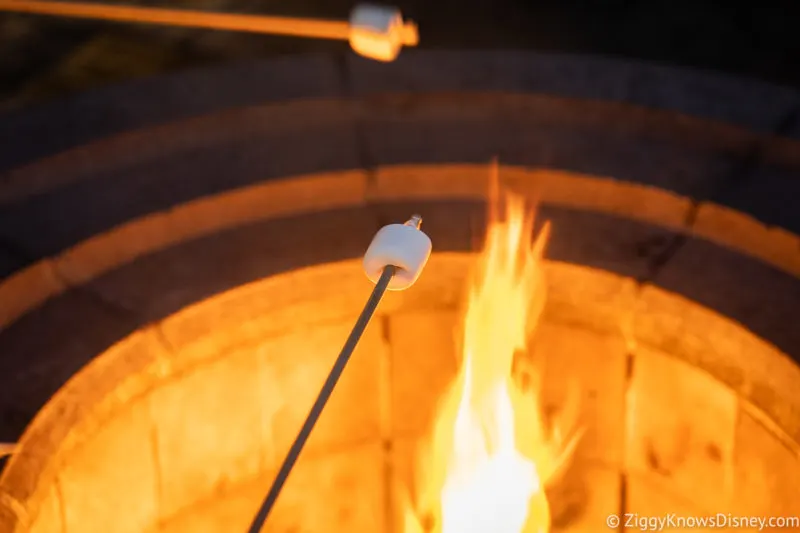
x: 374, y: 31
x: 404, y: 244
x: 320, y: 29
x: 322, y: 399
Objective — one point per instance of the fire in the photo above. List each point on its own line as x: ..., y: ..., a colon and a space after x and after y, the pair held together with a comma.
x: 491, y: 452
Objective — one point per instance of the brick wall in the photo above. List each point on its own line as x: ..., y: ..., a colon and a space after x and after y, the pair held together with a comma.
x: 219, y: 390
x: 182, y: 423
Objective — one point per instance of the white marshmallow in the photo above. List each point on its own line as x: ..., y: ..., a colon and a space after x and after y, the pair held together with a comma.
x: 403, y: 246
x: 379, y: 33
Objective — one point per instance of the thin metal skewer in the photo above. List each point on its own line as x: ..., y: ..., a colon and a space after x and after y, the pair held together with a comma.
x: 299, y: 27
x: 325, y: 393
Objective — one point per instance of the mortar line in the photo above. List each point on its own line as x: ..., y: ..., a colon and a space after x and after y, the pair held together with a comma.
x: 755, y: 155
x: 675, y: 244
x: 623, y: 501
x: 30, y: 259
x: 163, y: 339
x: 20, y: 512
x: 361, y: 147
x: 62, y: 508
x: 158, y: 479
x: 628, y: 331
x: 387, y: 449
x: 84, y: 288
x: 730, y: 470
x: 740, y: 174
x: 630, y: 363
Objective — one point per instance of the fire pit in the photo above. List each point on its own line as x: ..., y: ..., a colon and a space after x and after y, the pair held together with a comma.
x: 663, y: 339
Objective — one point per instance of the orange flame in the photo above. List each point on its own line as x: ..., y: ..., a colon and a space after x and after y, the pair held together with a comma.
x: 490, y: 453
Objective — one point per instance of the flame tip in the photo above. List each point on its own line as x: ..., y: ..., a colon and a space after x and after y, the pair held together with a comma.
x: 479, y: 441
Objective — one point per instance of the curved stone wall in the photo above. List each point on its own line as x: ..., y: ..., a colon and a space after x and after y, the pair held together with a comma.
x: 108, y: 286
x: 102, y: 240
x: 183, y: 423
x: 87, y: 117
x: 597, y: 222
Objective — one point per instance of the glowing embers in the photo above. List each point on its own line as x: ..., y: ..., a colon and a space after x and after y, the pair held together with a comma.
x: 491, y: 453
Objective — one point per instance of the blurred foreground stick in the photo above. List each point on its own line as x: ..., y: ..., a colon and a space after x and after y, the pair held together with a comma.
x: 373, y: 31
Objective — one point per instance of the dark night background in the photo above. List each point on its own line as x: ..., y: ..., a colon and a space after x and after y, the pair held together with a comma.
x: 43, y: 58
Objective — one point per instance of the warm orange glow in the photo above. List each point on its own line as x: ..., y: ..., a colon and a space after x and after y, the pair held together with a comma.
x: 298, y: 27
x: 491, y: 451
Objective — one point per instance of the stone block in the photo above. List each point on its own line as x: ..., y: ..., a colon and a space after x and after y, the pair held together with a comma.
x: 208, y: 426
x: 746, y: 103
x: 145, y: 171
x: 652, y: 505
x: 114, y: 379
x: 27, y: 289
x: 599, y: 194
x: 603, y: 241
x: 165, y: 282
x: 766, y: 469
x: 233, y: 510
x: 431, y: 128
x: 442, y: 286
x: 110, y: 484
x: 82, y: 408
x: 76, y: 326
x: 756, y: 295
x: 589, y: 298
x: 680, y: 429
x: 543, y: 131
x: 592, y: 235
x: 429, y: 182
x: 296, y: 364
x: 424, y: 363
x: 119, y: 108
x: 741, y: 232
x: 585, y: 500
x: 766, y: 192
x: 205, y: 216
x: 49, y: 518
x: 404, y: 460
x: 274, y: 305
x: 729, y: 352
x: 546, y: 186
x: 337, y: 492
x: 584, y: 371
x: 506, y: 71
x: 8, y: 518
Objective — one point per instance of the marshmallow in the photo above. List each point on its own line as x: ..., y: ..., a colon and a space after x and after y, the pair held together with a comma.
x: 379, y: 32
x: 403, y: 246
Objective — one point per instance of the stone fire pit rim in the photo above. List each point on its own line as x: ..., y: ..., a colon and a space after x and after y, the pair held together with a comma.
x: 99, y: 113
x: 148, y: 352
x: 28, y: 288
